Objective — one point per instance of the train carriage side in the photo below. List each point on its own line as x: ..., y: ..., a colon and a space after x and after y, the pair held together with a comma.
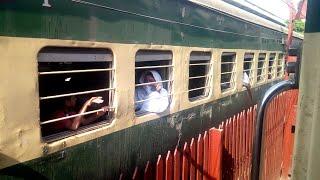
x: 51, y: 50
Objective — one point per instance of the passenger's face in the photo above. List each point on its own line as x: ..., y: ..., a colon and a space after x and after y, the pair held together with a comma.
x: 149, y: 78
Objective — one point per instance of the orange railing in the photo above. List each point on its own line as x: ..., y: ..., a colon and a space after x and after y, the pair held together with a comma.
x: 277, y: 136
x: 226, y: 152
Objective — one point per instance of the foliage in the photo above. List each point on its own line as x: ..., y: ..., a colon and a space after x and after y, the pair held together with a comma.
x: 299, y: 25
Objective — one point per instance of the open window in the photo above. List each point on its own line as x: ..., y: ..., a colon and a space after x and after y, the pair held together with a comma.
x: 247, y: 66
x: 153, y: 81
x: 280, y: 65
x: 68, y: 79
x: 228, y: 62
x: 271, y: 67
x: 261, y: 70
x: 199, y: 75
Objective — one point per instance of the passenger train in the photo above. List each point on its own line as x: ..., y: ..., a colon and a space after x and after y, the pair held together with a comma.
x: 82, y: 61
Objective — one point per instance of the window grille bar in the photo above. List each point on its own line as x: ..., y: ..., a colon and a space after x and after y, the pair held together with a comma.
x: 76, y: 93
x: 228, y: 62
x: 75, y: 71
x: 231, y: 72
x: 151, y: 98
x: 73, y: 116
x: 152, y: 67
x: 144, y: 84
x: 205, y: 87
x: 200, y: 64
x: 227, y: 83
x: 198, y: 77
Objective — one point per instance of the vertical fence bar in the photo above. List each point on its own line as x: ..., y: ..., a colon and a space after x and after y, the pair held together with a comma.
x: 215, y: 152
x: 159, y: 168
x: 229, y: 148
x: 136, y: 175
x: 233, y: 146
x: 169, y: 167
x: 199, y: 158
x: 241, y: 145
x: 185, y: 162
x: 148, y: 172
x: 121, y: 177
x: 176, y: 165
x: 193, y: 161
x: 237, y: 142
x: 205, y: 155
x: 225, y: 152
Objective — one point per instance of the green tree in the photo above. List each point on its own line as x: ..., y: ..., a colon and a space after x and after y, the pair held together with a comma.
x: 299, y: 25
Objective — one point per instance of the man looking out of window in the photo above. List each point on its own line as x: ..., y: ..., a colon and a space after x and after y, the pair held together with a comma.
x: 153, y: 97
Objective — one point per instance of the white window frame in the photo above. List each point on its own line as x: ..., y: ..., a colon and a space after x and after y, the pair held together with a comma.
x: 232, y: 80
x: 77, y: 57
x: 273, y: 71
x: 208, y: 74
x: 280, y: 65
x: 263, y: 69
x: 155, y: 55
x: 251, y: 69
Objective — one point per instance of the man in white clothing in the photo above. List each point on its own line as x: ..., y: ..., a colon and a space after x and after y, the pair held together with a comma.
x: 151, y: 97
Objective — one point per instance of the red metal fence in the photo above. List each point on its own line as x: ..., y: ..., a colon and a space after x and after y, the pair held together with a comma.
x: 277, y: 136
x: 226, y: 152
x: 237, y: 146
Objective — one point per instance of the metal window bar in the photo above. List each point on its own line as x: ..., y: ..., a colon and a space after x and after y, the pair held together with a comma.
x: 76, y: 93
x: 201, y: 64
x: 73, y: 116
x: 205, y: 87
x: 154, y: 67
x: 111, y: 84
x: 145, y: 84
x: 198, y: 77
x: 229, y: 72
x: 75, y: 71
x: 248, y: 61
x: 228, y: 62
x: 230, y: 82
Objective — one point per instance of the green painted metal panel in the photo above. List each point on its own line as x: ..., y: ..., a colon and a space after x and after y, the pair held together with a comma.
x: 171, y: 22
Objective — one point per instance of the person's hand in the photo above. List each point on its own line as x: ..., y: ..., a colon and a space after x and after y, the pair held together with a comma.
x: 158, y: 87
x: 89, y: 102
x: 101, y: 113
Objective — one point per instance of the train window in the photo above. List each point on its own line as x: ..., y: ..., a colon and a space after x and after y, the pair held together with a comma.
x: 75, y: 88
x: 247, y: 65
x: 261, y: 70
x: 153, y: 81
x: 228, y: 60
x: 280, y: 65
x: 199, y: 74
x: 271, y: 67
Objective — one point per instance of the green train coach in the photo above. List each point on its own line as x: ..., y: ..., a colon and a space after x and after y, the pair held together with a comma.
x: 82, y: 61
